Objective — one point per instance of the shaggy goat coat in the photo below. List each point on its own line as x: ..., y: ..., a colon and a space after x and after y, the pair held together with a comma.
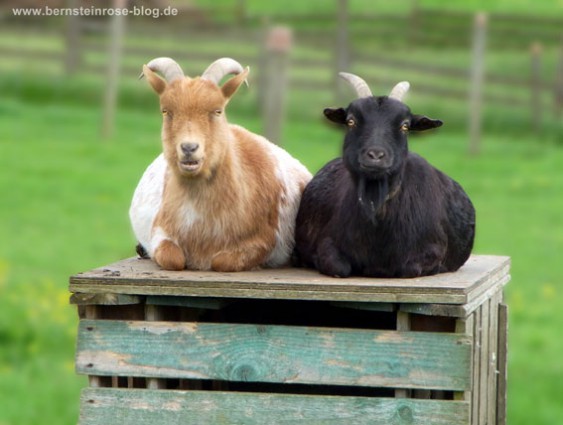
x: 219, y: 197
x: 381, y: 210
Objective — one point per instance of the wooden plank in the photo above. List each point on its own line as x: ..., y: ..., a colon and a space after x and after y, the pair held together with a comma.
x: 484, y: 368
x: 403, y: 325
x: 154, y: 313
x: 502, y: 364
x: 498, y: 281
x: 143, y: 277
x: 139, y: 407
x: 105, y: 299
x: 493, y: 354
x: 277, y: 354
x: 465, y: 327
x: 383, y: 307
x: 91, y: 312
x: 191, y: 302
x: 476, y: 365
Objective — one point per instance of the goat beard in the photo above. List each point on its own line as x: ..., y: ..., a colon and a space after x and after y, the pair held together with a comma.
x: 372, y: 194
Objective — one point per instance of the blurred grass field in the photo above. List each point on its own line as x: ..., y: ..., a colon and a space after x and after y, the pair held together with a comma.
x: 65, y: 195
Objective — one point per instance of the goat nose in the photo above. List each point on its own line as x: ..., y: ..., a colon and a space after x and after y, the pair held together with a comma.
x: 189, y: 148
x: 375, y: 154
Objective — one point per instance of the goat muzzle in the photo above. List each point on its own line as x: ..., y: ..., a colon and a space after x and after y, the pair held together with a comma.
x: 189, y: 165
x: 375, y: 161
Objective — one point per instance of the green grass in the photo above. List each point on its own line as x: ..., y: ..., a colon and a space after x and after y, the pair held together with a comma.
x: 65, y: 195
x: 64, y: 209
x: 547, y: 7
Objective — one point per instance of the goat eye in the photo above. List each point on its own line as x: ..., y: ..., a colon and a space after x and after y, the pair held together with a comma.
x: 218, y: 112
x: 405, y: 127
x: 165, y: 112
x: 351, y: 122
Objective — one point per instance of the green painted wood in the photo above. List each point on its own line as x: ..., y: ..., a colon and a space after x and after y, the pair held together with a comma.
x: 142, y: 277
x: 278, y: 354
x: 103, y: 406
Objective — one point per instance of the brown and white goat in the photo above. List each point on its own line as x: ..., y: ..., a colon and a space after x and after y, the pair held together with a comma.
x: 219, y: 197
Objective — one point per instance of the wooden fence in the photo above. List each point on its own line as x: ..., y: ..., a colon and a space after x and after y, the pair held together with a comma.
x: 342, y: 41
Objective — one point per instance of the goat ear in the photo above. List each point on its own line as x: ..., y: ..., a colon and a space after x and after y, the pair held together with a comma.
x: 157, y: 83
x: 232, y: 85
x: 421, y: 123
x: 337, y: 115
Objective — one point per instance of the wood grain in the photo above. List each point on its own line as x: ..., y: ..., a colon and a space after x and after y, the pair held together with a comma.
x: 276, y: 354
x: 142, y: 277
x: 103, y: 406
x: 502, y: 364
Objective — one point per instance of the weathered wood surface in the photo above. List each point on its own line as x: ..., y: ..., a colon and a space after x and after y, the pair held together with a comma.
x: 276, y: 354
x: 465, y: 326
x: 497, y: 283
x: 103, y: 406
x: 105, y: 299
x: 142, y: 277
x: 502, y: 363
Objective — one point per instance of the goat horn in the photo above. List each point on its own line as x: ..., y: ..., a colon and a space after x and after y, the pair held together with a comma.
x: 167, y: 67
x: 361, y: 87
x: 221, y: 67
x: 400, y: 90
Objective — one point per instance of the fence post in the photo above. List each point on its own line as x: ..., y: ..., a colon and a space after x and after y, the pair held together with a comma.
x: 476, y: 82
x: 414, y: 21
x: 342, y: 53
x: 558, y: 89
x: 72, y: 39
x: 536, y: 87
x: 241, y: 12
x: 274, y: 81
x: 117, y: 30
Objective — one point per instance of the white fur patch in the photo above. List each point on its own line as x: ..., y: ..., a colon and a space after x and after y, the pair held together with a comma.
x: 187, y: 217
x: 146, y: 202
x: 158, y: 236
x: 293, y: 176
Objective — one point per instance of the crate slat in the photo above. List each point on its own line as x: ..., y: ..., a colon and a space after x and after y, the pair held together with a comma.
x: 493, y: 356
x: 143, y: 277
x: 276, y: 354
x: 475, y: 390
x: 502, y: 363
x: 101, y: 406
x: 484, y: 369
x: 499, y: 281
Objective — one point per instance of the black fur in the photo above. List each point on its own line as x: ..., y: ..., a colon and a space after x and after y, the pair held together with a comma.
x: 381, y: 210
x: 142, y: 252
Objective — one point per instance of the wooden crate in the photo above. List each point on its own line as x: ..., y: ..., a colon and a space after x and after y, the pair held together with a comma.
x: 291, y: 346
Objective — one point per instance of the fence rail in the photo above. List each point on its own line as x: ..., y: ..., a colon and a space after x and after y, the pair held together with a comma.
x: 325, y: 44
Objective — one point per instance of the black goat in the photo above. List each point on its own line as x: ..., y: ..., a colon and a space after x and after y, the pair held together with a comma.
x: 381, y: 210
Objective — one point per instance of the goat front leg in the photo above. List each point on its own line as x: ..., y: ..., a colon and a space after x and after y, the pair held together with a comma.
x: 169, y: 256
x: 330, y: 261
